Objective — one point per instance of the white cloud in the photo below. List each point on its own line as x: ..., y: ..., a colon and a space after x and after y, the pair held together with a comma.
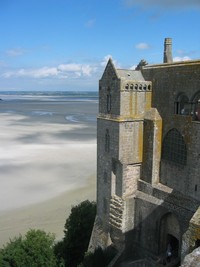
x: 142, y: 46
x: 105, y: 61
x: 36, y: 73
x: 87, y: 70
x: 69, y: 67
x: 72, y: 70
x: 185, y: 58
x: 133, y: 67
x: 164, y: 3
x: 15, y: 52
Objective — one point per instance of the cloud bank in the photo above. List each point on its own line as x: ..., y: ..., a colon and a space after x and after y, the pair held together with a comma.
x: 72, y: 70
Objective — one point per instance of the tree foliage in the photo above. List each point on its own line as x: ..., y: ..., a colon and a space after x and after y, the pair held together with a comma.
x: 38, y: 249
x: 34, y: 250
x: 78, y: 229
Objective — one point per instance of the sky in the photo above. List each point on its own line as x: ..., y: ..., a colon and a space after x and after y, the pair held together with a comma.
x: 65, y: 44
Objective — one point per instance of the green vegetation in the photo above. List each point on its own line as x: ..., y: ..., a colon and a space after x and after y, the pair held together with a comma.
x: 78, y: 229
x: 38, y: 249
x: 34, y: 250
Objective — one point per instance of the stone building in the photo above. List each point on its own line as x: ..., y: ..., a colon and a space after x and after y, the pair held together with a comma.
x: 148, y: 162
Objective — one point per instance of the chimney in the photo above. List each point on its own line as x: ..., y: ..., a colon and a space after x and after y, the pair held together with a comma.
x: 168, y: 51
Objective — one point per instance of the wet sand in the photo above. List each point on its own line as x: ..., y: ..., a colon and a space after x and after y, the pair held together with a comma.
x: 45, y: 168
x: 49, y: 215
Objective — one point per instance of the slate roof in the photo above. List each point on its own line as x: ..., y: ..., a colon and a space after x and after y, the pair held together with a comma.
x: 126, y: 74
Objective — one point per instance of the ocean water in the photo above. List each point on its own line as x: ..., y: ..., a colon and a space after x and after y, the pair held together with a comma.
x: 51, y: 106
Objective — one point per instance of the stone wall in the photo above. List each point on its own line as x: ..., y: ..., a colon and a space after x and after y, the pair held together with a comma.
x: 168, y: 81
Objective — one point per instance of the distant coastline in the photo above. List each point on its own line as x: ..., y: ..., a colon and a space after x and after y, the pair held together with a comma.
x: 58, y: 95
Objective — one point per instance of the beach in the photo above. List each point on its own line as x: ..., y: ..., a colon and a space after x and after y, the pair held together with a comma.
x: 47, y: 163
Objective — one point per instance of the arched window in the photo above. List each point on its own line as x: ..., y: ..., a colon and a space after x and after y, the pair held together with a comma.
x: 174, y: 147
x: 196, y: 106
x: 108, y: 101
x: 182, y: 105
x: 107, y: 141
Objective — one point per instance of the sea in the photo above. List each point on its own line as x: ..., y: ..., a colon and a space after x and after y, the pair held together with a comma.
x: 52, y: 106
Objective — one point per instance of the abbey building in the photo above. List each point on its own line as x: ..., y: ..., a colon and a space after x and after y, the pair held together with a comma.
x: 148, y: 162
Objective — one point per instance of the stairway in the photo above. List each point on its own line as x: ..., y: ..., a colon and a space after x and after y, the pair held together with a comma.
x: 116, y: 212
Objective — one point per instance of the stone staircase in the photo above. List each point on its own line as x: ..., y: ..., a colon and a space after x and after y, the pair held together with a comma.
x: 116, y: 212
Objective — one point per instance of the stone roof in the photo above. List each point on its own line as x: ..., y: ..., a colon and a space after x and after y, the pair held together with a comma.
x: 126, y: 74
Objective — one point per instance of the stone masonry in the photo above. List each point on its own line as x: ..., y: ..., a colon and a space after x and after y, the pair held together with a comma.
x: 148, y: 162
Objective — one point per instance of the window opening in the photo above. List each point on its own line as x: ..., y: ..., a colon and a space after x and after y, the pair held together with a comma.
x: 196, y: 106
x: 174, y: 148
x: 108, y: 101
x: 182, y: 105
x: 107, y: 141
x: 197, y: 243
x: 113, y: 177
x: 173, y: 245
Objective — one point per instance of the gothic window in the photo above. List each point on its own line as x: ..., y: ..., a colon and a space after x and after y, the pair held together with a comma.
x: 196, y: 106
x: 174, y: 147
x: 107, y: 141
x: 108, y: 101
x: 182, y: 105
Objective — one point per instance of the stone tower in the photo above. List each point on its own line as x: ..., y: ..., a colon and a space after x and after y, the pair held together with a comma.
x: 148, y: 186
x: 167, y: 58
x: 124, y: 106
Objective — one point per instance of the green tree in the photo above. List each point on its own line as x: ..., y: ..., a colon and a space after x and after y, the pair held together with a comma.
x: 78, y: 229
x: 34, y: 250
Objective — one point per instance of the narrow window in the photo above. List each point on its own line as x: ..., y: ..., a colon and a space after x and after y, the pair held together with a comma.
x: 108, y: 102
x: 107, y: 141
x: 195, y: 188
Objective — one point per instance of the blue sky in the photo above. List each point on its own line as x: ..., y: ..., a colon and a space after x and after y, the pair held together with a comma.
x: 65, y: 44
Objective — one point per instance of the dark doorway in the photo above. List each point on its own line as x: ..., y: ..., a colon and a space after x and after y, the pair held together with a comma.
x: 197, y: 243
x: 174, y: 244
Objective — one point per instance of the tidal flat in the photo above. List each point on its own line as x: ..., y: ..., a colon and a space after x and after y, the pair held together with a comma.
x: 47, y: 162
